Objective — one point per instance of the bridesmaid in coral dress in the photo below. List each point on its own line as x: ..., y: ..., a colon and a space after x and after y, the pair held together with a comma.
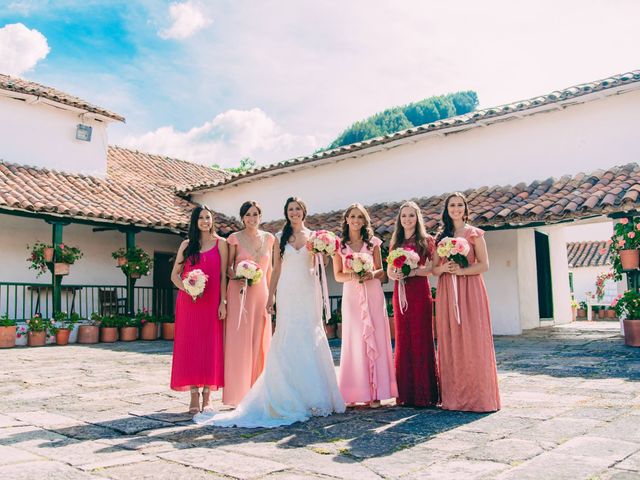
x: 416, y: 369
x: 197, y: 348
x: 247, y: 331
x: 367, y: 373
x: 466, y: 357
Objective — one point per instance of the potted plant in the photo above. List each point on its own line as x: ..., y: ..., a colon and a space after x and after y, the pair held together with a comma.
x: 109, y: 328
x: 38, y: 257
x: 336, y: 319
x: 128, y: 328
x: 148, y: 325
x: 64, y: 257
x: 331, y: 325
x: 624, y: 246
x: 64, y: 326
x: 89, y: 331
x: 120, y: 255
x: 7, y: 332
x: 168, y: 327
x: 582, y: 310
x: 139, y: 263
x: 627, y: 308
x: 38, y: 329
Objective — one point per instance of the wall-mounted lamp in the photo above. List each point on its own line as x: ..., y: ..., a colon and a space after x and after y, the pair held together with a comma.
x: 83, y: 132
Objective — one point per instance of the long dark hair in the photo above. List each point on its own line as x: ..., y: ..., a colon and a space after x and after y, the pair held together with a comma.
x: 424, y: 241
x: 192, y: 251
x: 244, y: 208
x: 447, y: 229
x: 366, y: 231
x: 287, y: 230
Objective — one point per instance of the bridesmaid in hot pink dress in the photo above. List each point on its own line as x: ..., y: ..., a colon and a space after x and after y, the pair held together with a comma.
x: 466, y: 358
x: 198, y: 359
x: 247, y: 332
x: 416, y: 368
x: 367, y: 373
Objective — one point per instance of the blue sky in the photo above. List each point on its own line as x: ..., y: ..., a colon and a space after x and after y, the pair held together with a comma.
x: 214, y: 81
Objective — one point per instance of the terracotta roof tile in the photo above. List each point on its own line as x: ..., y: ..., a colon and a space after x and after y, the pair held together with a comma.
x: 139, y: 189
x: 19, y: 85
x: 588, y: 254
x: 490, y: 210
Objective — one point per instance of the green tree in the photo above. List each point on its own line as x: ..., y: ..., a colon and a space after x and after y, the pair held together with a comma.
x: 245, y: 165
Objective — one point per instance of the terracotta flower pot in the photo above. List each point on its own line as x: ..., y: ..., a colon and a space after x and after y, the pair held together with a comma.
x: 149, y: 331
x: 108, y: 334
x: 330, y: 330
x: 392, y: 328
x: 8, y: 337
x: 128, y: 334
x: 135, y: 275
x: 168, y: 331
x: 36, y: 339
x: 88, y: 334
x: 339, y: 330
x: 62, y: 336
x: 48, y: 254
x: 61, y: 268
x: 632, y: 333
x: 629, y: 259
x: 601, y: 313
x: 610, y: 314
x: 122, y: 261
x: 581, y: 313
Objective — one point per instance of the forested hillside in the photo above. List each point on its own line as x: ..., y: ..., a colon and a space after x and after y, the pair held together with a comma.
x: 399, y: 118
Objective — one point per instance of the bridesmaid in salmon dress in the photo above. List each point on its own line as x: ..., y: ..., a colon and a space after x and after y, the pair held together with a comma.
x: 367, y: 374
x: 247, y: 332
x: 197, y: 349
x: 416, y: 368
x: 466, y: 358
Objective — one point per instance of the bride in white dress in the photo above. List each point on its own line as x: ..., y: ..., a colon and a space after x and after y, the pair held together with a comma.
x: 299, y: 379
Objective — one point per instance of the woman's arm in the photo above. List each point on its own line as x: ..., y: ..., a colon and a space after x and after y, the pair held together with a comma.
x: 275, y: 276
x: 224, y: 254
x: 231, y: 247
x: 482, y: 260
x: 178, y: 266
x: 340, y: 275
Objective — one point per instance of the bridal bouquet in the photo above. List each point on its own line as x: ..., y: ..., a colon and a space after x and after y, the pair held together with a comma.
x: 359, y: 263
x: 194, y: 283
x: 323, y: 241
x: 404, y: 259
x: 455, y: 249
x: 249, y: 271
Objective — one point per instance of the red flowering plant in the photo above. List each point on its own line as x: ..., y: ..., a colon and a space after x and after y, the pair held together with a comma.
x: 600, y: 281
x: 67, y: 254
x: 627, y: 305
x: 36, y: 258
x: 626, y: 236
x: 39, y: 324
x: 144, y: 316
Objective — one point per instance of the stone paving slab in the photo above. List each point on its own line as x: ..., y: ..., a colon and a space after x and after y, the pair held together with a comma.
x: 571, y: 410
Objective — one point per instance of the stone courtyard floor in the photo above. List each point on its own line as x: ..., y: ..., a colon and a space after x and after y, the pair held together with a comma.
x: 571, y: 410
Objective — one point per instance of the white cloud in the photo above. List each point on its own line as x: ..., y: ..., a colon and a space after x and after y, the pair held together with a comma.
x: 187, y: 18
x: 225, y: 140
x: 20, y: 48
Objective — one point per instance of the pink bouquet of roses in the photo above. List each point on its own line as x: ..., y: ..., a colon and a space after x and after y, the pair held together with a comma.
x: 194, y: 283
x: 249, y: 271
x: 455, y: 249
x: 404, y: 259
x: 323, y: 241
x: 359, y: 263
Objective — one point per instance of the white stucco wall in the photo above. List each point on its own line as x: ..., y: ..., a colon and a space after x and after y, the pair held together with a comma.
x: 584, y: 280
x: 584, y: 137
x: 96, y: 267
x: 45, y: 136
x: 527, y: 279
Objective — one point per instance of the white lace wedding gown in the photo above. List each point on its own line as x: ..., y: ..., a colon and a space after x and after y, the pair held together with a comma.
x: 299, y: 379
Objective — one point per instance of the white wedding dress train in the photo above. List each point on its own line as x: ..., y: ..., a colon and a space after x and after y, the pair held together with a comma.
x: 299, y: 379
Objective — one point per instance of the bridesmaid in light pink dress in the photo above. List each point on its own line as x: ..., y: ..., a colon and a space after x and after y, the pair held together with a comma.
x: 247, y: 332
x: 367, y: 373
x: 466, y: 357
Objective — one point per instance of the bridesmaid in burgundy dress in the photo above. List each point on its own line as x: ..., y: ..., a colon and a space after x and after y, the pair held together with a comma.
x: 198, y: 358
x: 416, y: 370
